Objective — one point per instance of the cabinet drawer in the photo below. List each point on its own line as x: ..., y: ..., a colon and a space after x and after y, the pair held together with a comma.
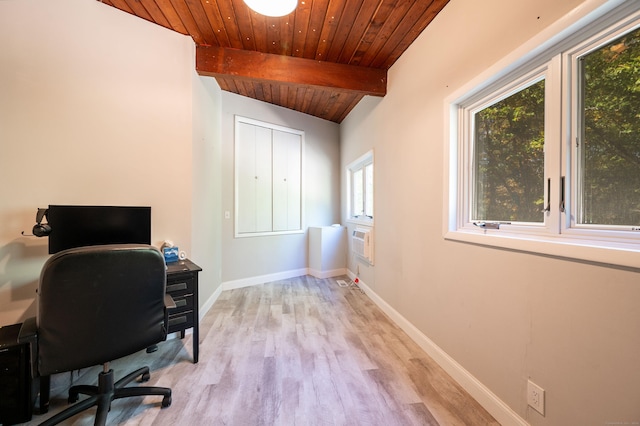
x: 184, y: 302
x: 178, y: 322
x: 180, y: 284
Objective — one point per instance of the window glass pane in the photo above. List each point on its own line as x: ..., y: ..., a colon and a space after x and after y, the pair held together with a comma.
x: 368, y: 208
x: 610, y: 152
x: 358, y: 195
x: 508, y: 158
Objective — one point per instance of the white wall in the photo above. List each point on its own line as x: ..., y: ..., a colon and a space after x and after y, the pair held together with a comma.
x: 206, y: 190
x: 267, y: 256
x: 502, y: 316
x: 96, y: 107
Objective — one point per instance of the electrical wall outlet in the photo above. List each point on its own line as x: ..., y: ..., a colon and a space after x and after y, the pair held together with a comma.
x: 535, y: 397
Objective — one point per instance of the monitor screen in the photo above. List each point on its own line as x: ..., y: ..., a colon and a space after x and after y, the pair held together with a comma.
x: 79, y: 226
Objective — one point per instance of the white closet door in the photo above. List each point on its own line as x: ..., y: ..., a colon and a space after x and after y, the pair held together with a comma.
x: 286, y: 181
x: 254, y: 178
x: 264, y: 180
x: 245, y: 175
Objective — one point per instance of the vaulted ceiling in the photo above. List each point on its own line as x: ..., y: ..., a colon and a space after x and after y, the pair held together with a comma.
x: 321, y: 60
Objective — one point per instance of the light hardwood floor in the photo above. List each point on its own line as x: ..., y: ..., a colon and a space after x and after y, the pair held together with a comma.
x: 302, y: 351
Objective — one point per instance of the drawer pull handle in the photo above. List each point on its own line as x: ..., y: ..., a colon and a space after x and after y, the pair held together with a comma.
x: 177, y: 320
x: 180, y: 303
x: 176, y: 287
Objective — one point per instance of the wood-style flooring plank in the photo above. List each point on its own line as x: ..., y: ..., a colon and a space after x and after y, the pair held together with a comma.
x: 301, y: 351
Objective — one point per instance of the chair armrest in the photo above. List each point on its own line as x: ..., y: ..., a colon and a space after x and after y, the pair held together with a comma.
x: 28, y: 334
x: 169, y: 303
x: 28, y: 331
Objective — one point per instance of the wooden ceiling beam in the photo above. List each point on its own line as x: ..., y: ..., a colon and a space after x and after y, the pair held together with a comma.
x: 215, y: 61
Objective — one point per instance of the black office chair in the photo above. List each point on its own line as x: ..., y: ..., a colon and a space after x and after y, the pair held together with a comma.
x: 98, y: 304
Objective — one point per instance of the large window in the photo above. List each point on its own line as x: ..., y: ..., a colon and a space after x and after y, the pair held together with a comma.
x: 549, y: 152
x: 360, y: 182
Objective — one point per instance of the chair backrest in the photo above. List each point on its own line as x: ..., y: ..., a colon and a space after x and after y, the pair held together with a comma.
x: 100, y: 303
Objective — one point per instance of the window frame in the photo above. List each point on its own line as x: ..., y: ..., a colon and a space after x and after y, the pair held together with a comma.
x: 467, y: 120
x: 554, y: 50
x: 360, y: 164
x: 574, y: 117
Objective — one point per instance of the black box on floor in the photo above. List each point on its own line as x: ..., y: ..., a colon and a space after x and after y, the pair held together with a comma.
x: 17, y: 391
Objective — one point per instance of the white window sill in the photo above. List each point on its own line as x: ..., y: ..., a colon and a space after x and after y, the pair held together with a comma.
x: 363, y: 222
x: 267, y: 233
x: 626, y: 255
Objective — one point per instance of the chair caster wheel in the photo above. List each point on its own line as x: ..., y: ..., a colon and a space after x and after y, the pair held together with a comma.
x: 145, y: 377
x: 166, y: 401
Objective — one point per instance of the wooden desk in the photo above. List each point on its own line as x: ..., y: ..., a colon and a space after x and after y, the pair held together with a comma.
x: 182, y: 285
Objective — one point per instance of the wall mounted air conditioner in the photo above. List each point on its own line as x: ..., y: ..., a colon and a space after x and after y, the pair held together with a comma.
x: 362, y: 243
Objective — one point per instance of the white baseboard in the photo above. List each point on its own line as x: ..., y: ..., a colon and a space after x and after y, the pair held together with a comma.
x: 494, y: 405
x: 247, y: 282
x: 209, y: 303
x: 327, y: 274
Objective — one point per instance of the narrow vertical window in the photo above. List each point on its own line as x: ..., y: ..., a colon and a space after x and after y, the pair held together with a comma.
x: 609, y: 152
x: 508, y: 158
x: 368, y: 190
x: 360, y: 175
x: 358, y: 193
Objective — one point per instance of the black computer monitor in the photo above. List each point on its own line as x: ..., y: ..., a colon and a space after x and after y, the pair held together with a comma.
x: 80, y: 226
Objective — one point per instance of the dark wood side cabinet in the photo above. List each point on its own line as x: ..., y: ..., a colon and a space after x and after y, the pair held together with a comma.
x: 182, y: 285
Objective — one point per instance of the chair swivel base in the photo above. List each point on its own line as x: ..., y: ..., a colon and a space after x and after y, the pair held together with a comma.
x: 105, y: 392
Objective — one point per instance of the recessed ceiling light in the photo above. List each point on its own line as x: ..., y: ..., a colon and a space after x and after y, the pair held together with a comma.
x: 273, y: 8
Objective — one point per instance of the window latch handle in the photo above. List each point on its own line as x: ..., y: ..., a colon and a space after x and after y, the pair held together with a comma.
x: 562, y: 194
x: 487, y: 225
x: 548, y: 208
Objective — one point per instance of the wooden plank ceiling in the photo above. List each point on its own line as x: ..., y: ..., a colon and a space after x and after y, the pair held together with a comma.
x: 321, y: 60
